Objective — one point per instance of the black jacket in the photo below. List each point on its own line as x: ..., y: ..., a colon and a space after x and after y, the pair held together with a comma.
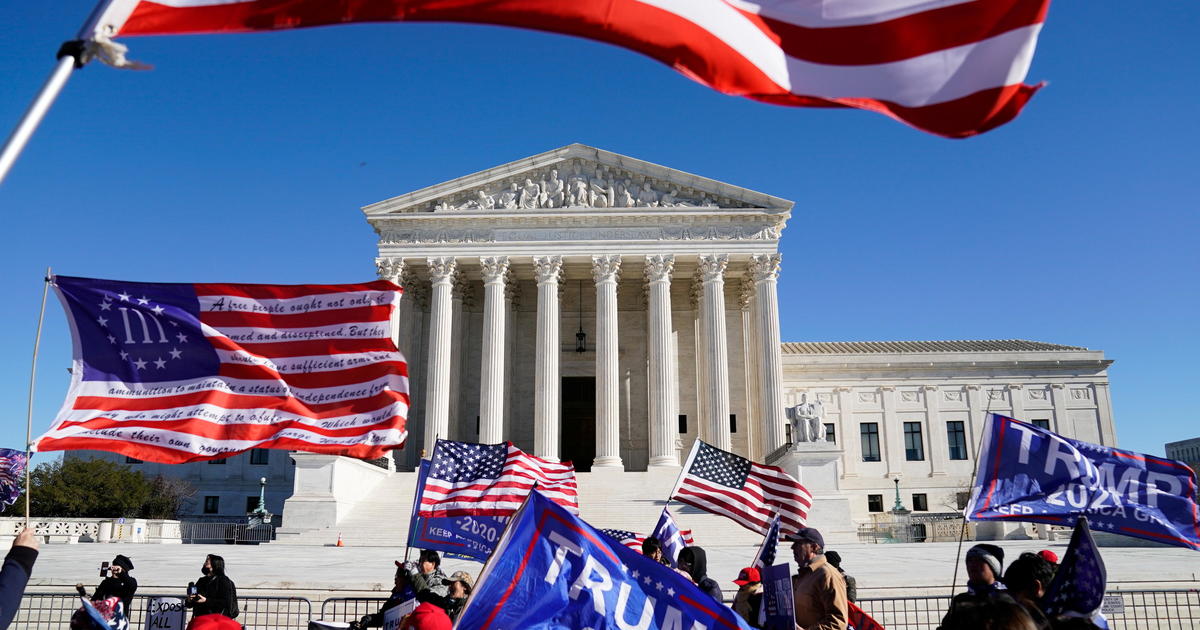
x: 123, y: 587
x: 220, y: 596
x: 376, y: 620
x: 18, y: 566
x: 699, y: 571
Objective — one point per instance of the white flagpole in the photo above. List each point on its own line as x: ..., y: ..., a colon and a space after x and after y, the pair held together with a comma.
x: 37, y: 341
x: 106, y: 19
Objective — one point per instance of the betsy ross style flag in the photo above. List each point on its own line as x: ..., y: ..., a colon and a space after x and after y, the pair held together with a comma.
x: 176, y: 373
x: 750, y: 493
x: 950, y: 67
x: 491, y: 480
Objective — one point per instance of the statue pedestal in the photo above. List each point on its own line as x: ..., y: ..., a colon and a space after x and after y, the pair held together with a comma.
x: 815, y: 466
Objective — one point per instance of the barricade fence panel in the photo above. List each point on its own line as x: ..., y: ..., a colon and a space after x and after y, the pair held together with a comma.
x: 1125, y: 610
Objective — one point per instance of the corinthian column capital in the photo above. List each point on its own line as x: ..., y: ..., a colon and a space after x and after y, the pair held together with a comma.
x: 606, y: 268
x: 494, y: 268
x: 712, y: 266
x: 765, y: 266
x: 659, y: 267
x: 547, y: 268
x: 441, y: 269
x: 389, y: 268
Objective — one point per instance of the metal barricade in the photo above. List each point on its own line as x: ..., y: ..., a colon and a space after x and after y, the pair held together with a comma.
x: 350, y: 608
x: 225, y: 532
x: 52, y: 611
x: 906, y: 613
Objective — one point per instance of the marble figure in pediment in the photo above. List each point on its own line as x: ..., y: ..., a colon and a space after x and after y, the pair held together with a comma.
x: 530, y: 194
x: 508, y: 198
x: 553, y: 191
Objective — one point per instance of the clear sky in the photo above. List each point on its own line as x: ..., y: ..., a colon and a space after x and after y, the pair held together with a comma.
x: 245, y: 158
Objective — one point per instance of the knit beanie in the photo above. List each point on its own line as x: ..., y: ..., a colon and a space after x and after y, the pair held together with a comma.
x: 991, y: 554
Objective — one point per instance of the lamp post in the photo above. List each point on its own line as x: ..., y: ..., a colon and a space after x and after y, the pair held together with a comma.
x: 899, y: 506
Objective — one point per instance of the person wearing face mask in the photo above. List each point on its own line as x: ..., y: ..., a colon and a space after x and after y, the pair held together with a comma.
x: 119, y: 583
x: 215, y: 593
x: 460, y: 584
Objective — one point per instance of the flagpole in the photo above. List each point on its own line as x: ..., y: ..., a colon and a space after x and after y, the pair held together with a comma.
x: 962, y: 532
x: 107, y: 17
x: 37, y: 342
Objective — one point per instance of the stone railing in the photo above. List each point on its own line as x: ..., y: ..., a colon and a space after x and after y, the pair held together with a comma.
x: 75, y: 530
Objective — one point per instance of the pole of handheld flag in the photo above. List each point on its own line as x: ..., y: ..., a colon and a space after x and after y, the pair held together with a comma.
x: 33, y: 116
x: 37, y: 341
x: 962, y: 532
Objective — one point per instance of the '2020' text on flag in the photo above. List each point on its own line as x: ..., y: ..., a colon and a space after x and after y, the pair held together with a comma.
x: 176, y: 373
x: 950, y: 67
x: 472, y: 479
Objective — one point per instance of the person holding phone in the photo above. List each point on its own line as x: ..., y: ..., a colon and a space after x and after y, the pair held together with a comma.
x: 117, y: 581
x: 214, y: 593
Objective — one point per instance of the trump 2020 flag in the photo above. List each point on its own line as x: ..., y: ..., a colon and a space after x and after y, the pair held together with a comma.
x: 12, y: 469
x: 1031, y: 474
x: 672, y: 538
x: 552, y: 570
x: 949, y: 67
x: 177, y: 373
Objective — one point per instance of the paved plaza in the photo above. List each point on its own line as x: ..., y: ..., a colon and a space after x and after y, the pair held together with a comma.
x: 320, y: 572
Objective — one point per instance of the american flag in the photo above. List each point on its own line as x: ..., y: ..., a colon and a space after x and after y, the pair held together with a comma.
x: 948, y: 67
x: 491, y: 480
x: 12, y: 470
x: 1077, y: 589
x: 766, y: 552
x: 177, y: 373
x: 750, y: 493
x: 634, y: 540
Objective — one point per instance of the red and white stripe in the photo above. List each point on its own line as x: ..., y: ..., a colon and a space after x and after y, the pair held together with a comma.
x: 768, y: 491
x: 950, y: 67
x: 635, y: 542
x: 502, y: 496
x: 334, y: 383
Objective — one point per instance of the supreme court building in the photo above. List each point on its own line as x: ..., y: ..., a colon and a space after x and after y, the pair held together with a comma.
x: 597, y: 308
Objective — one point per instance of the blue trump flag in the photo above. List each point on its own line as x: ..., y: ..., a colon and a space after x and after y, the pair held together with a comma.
x: 465, y: 537
x: 1077, y: 589
x: 766, y: 553
x: 1030, y: 474
x: 667, y: 533
x: 553, y: 570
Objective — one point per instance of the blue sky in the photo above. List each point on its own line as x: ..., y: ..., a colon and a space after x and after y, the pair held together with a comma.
x: 245, y: 158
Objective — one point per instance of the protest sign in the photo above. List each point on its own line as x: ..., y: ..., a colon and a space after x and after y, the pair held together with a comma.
x: 777, y: 597
x: 164, y: 613
x: 394, y: 615
x: 552, y: 570
x: 1030, y: 474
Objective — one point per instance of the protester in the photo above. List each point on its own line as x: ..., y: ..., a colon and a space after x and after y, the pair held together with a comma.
x: 1027, y: 579
x: 694, y: 562
x: 1051, y: 557
x: 215, y: 593
x: 18, y: 566
x: 401, y: 592
x: 427, y: 616
x: 983, y: 569
x: 118, y: 583
x: 460, y: 584
x: 748, y: 600
x: 835, y: 559
x: 652, y: 548
x: 991, y: 611
x: 818, y: 590
x: 426, y: 576
x: 983, y: 572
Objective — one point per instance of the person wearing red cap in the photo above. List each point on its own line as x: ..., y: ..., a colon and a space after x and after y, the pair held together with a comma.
x: 748, y: 600
x: 1049, y: 556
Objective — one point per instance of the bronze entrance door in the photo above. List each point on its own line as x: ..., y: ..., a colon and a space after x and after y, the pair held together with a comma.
x: 578, y: 421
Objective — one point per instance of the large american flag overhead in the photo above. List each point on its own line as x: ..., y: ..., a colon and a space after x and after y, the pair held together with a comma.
x: 491, y: 480
x: 176, y: 373
x: 750, y: 493
x: 950, y: 67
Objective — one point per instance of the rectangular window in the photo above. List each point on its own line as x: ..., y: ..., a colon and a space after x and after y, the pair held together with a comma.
x: 251, y: 504
x: 956, y: 435
x: 874, y: 502
x: 733, y: 423
x: 1042, y: 424
x: 260, y: 456
x: 212, y: 505
x: 217, y: 461
x: 682, y: 423
x: 870, y: 441
x: 914, y: 446
x: 830, y: 433
x: 477, y: 425
x: 132, y: 460
x: 920, y: 503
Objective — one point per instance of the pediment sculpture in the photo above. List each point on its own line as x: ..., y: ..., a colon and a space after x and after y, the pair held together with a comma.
x: 581, y: 185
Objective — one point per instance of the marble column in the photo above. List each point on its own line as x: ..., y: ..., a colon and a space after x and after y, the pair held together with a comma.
x: 548, y: 272
x: 459, y: 330
x: 939, y: 445
x: 755, y: 438
x: 391, y: 269
x: 893, y: 432
x: 441, y: 320
x: 712, y: 270
x: 663, y: 375
x: 849, y: 432
x: 491, y: 371
x: 605, y: 272
x: 764, y: 269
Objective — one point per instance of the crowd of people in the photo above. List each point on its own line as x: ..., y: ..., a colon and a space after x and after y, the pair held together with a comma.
x: 995, y: 599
